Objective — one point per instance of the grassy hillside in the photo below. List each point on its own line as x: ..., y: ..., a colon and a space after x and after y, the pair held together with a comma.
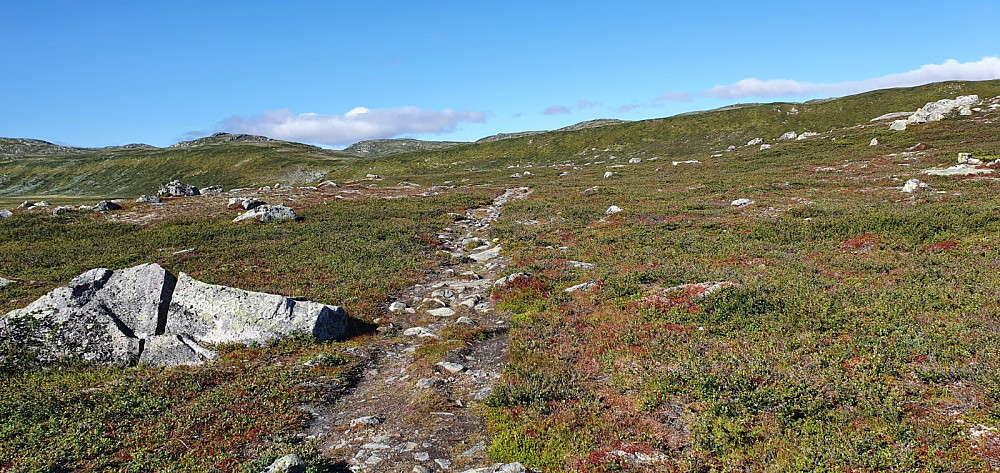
x: 689, y: 136
x: 132, y: 172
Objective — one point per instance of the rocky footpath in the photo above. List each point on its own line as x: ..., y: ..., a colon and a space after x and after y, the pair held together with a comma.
x: 410, y: 413
x: 144, y: 314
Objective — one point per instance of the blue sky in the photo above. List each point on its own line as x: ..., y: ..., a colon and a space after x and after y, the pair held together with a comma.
x: 103, y: 73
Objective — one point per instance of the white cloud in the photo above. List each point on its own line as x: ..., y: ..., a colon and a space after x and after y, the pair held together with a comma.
x: 984, y: 69
x: 556, y: 110
x: 358, y: 124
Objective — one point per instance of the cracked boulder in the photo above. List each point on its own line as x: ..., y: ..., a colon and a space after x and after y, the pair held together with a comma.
x: 144, y: 314
x: 209, y: 313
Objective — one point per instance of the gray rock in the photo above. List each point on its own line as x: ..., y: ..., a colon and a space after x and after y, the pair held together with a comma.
x: 449, y: 367
x: 581, y: 287
x: 105, y: 206
x: 740, y: 203
x: 511, y: 277
x: 421, y: 332
x: 957, y: 170
x: 247, y: 203
x: 420, y: 469
x: 765, y: 146
x: 612, y: 210
x: 515, y: 467
x: 914, y: 185
x: 210, y: 190
x: 219, y: 314
x: 421, y: 456
x: 397, y: 306
x: 26, y: 205
x: 755, y: 142
x: 149, y: 199
x: 327, y: 184
x: 43, y: 204
x: 4, y: 282
x: 442, y: 312
x: 4, y: 213
x: 168, y: 350
x: 177, y: 188
x: 898, y: 125
x: 806, y: 134
x: 608, y: 174
x: 789, y: 135
x: 936, y: 111
x: 634, y: 160
x: 369, y: 421
x: 873, y: 142
x: 62, y: 210
x: 486, y: 255
x: 268, y: 213
x: 589, y: 190
x: 731, y: 148
x: 290, y: 463
x: 444, y: 463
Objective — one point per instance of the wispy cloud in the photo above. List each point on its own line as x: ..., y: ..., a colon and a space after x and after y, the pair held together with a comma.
x: 984, y: 69
x: 627, y: 108
x: 674, y: 97
x: 556, y: 110
x: 358, y: 124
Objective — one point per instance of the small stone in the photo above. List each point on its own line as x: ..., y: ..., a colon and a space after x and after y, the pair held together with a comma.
x: 898, y: 125
x: 149, y: 199
x: 420, y: 469
x: 373, y: 460
x: 874, y: 142
x: 290, y: 463
x: 449, y: 367
x: 914, y: 185
x: 612, y: 210
x: 634, y: 160
x: 461, y: 320
x: 755, y: 142
x: 421, y: 332
x: 740, y: 203
x: 765, y: 146
x: 917, y: 147
x: 443, y: 463
x: 421, y: 456
x: 4, y: 213
x: 427, y: 383
x: 370, y: 421
x: 397, y: 306
x: 608, y: 174
x: 442, y: 312
x: 581, y: 287
x: 589, y: 190
x: 790, y: 135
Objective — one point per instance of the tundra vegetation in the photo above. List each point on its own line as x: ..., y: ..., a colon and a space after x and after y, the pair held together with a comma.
x: 860, y: 331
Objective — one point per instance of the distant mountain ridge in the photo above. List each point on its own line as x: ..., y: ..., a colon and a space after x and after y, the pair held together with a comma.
x: 379, y: 148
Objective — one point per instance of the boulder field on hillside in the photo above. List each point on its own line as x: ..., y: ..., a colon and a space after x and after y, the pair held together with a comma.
x: 144, y: 314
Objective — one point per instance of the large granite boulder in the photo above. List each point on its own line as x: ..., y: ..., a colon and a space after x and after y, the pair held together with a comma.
x: 144, y: 314
x: 209, y: 313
